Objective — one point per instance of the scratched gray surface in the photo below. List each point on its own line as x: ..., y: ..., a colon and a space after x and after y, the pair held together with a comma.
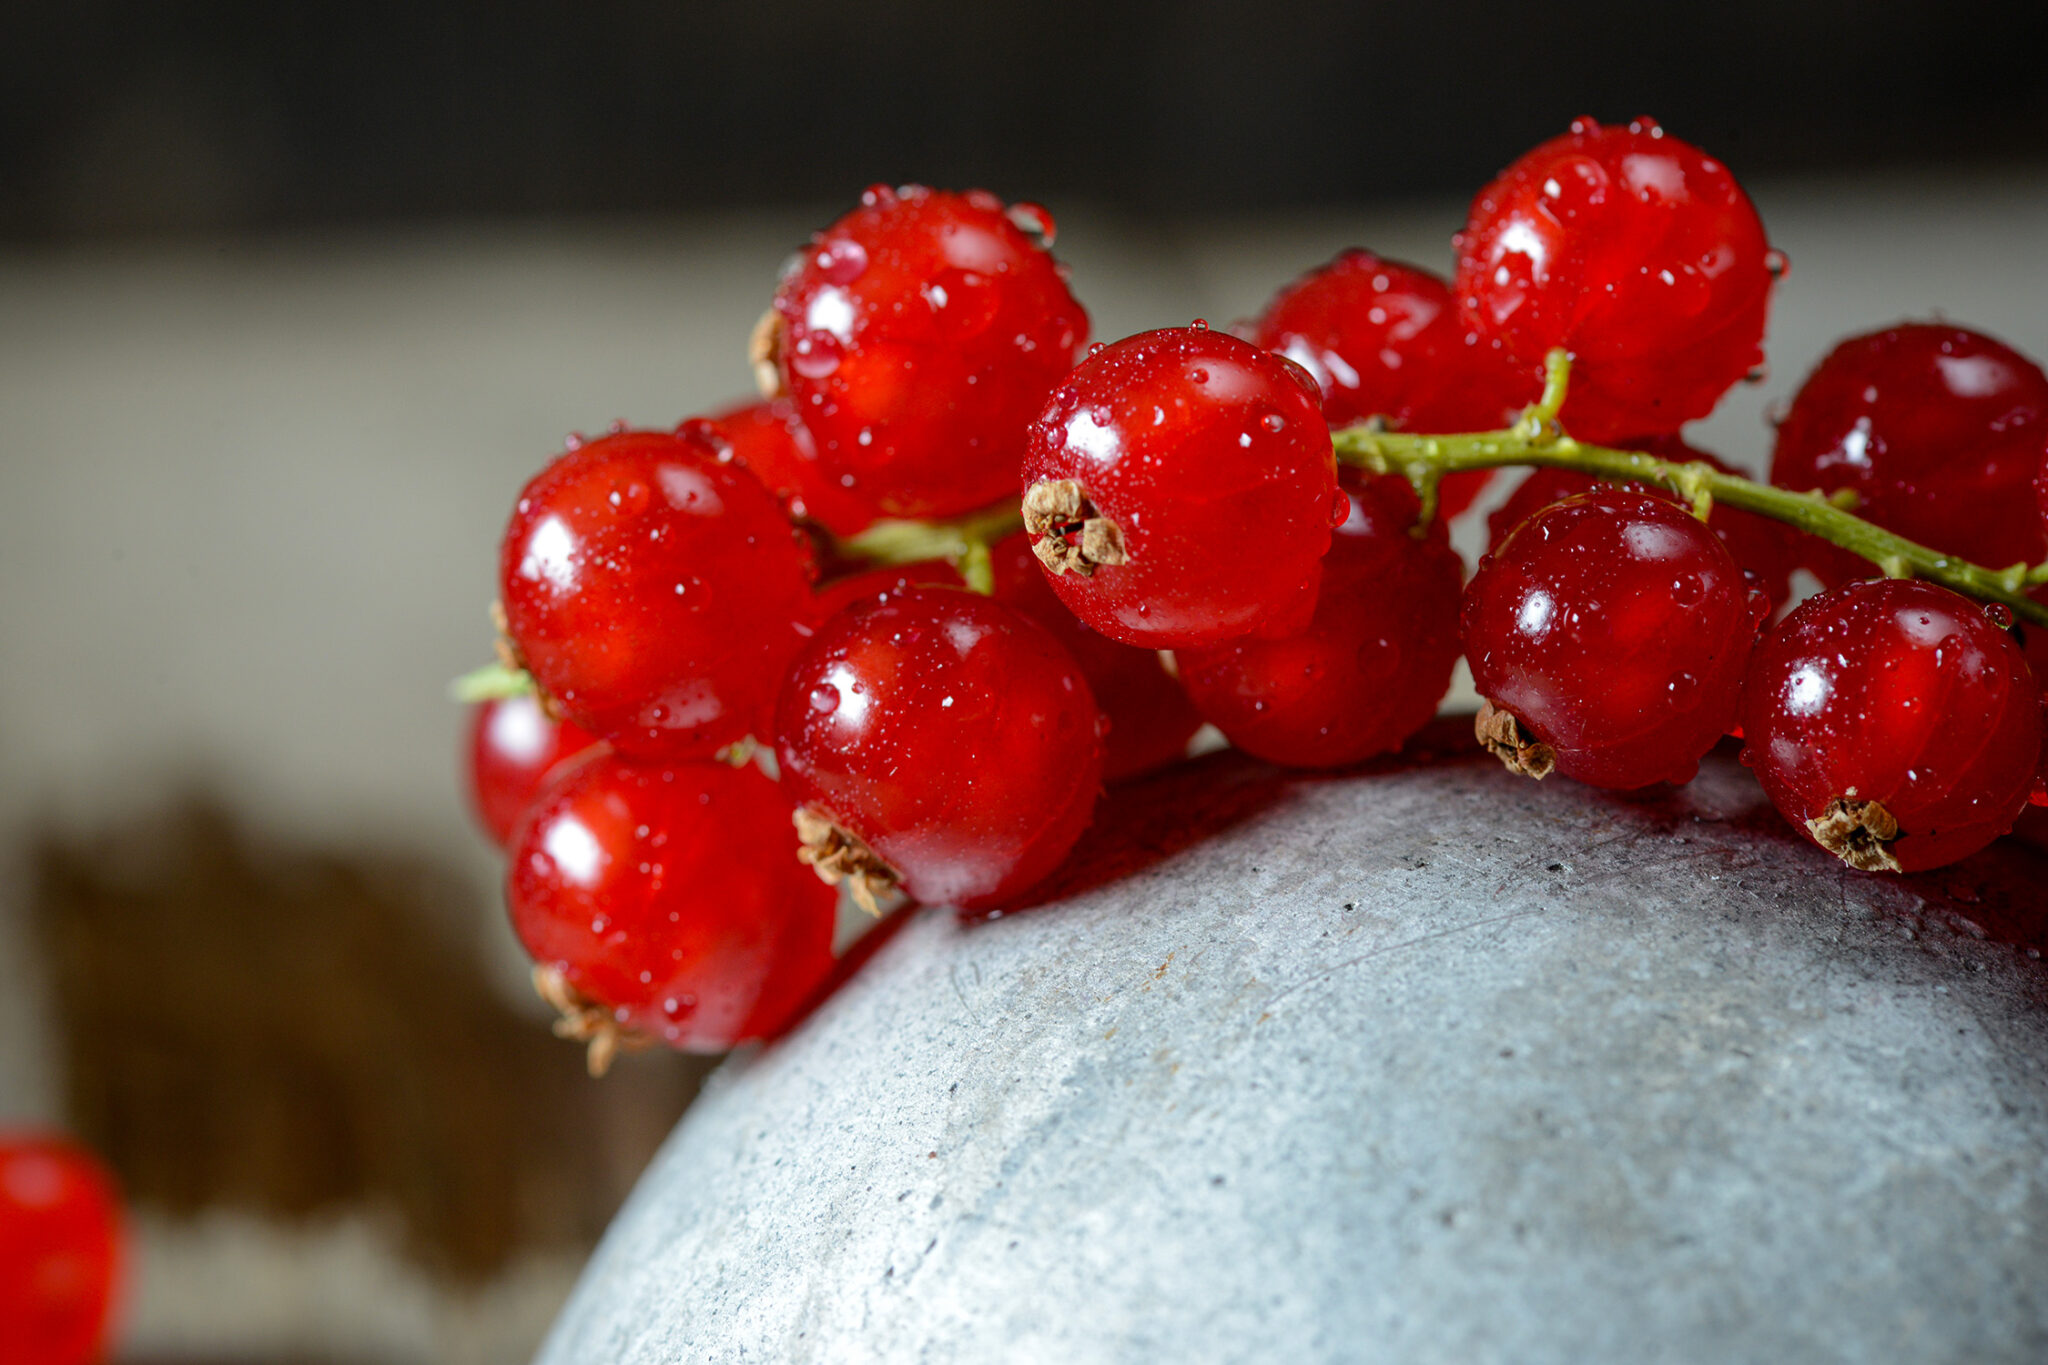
x: 1422, y: 1065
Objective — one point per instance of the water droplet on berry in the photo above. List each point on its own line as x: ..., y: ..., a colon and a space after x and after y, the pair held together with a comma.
x: 877, y: 196
x: 1034, y: 222
x: 1097, y: 349
x: 816, y: 355
x: 2000, y: 614
x: 1273, y: 422
x: 841, y: 260
x: 1687, y: 589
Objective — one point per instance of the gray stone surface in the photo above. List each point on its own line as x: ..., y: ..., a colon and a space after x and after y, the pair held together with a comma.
x: 1423, y: 1064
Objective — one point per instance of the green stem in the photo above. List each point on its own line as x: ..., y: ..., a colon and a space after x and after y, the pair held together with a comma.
x: 492, y: 682
x: 964, y: 541
x: 1538, y: 440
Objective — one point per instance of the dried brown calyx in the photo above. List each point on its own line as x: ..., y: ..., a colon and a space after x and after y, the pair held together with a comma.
x: 1860, y: 833
x: 764, y: 353
x: 509, y: 655
x: 1508, y: 740
x: 586, y: 1021
x: 839, y: 855
x: 1056, y: 509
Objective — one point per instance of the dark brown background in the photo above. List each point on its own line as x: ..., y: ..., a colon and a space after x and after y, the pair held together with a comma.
x: 156, y: 115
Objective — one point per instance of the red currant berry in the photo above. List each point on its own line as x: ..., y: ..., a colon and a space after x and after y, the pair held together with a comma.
x: 513, y: 746
x: 768, y: 439
x: 941, y: 741
x: 917, y: 335
x: 1636, y: 252
x: 1383, y: 339
x: 666, y: 903
x: 1607, y: 634
x: 1150, y: 718
x: 1940, y: 432
x: 1767, y: 549
x: 651, y: 587
x: 1374, y: 663
x: 1180, y: 487
x: 60, y: 1251
x: 874, y: 584
x: 1894, y: 723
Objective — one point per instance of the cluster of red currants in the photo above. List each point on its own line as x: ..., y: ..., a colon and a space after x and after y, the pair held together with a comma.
x: 940, y: 727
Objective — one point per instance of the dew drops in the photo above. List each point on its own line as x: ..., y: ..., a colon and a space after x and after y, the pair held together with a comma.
x: 816, y: 355
x: 841, y: 260
x: 1034, y: 222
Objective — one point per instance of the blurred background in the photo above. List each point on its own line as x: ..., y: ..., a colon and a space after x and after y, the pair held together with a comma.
x: 294, y: 297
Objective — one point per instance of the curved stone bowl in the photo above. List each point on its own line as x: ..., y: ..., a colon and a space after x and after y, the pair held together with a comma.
x: 1419, y: 1063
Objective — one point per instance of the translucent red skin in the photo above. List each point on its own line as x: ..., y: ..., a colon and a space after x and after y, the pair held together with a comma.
x: 922, y: 331
x: 1900, y: 692
x: 1385, y: 339
x: 684, y: 872
x: 768, y: 438
x: 512, y: 747
x: 1941, y: 432
x: 838, y: 594
x: 1640, y: 597
x: 1372, y: 666
x: 1766, y: 548
x: 1650, y: 265
x: 971, y: 800
x: 588, y: 574
x: 62, y: 1246
x: 1225, y: 519
x: 1149, y: 716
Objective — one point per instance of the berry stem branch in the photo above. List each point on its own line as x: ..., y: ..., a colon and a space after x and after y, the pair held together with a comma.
x: 1538, y: 440
x: 964, y: 541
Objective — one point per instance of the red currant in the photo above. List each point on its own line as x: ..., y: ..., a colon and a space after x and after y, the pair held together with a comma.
x: 941, y: 741
x: 874, y: 584
x: 768, y: 439
x: 60, y: 1251
x: 1767, y: 549
x: 651, y: 587
x: 1940, y: 432
x: 666, y: 902
x: 1150, y: 718
x: 1180, y: 487
x: 1636, y: 252
x: 1607, y: 634
x: 1374, y: 663
x: 1894, y: 723
x: 513, y: 746
x: 917, y: 335
x: 1384, y: 339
